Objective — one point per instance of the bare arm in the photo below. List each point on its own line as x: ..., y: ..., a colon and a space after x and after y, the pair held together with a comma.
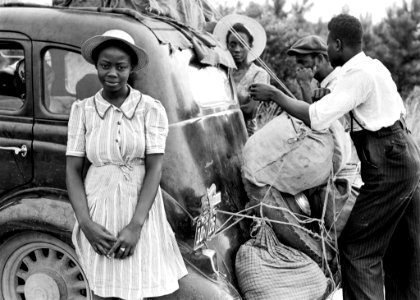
x: 75, y: 188
x: 149, y: 188
x: 129, y: 236
x: 298, y: 109
x: 98, y: 236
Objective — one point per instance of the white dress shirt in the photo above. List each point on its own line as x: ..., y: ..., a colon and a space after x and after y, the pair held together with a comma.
x: 330, y: 81
x: 365, y: 86
x: 342, y: 140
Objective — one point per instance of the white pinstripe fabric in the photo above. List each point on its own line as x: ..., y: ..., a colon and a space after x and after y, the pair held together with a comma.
x: 116, y: 140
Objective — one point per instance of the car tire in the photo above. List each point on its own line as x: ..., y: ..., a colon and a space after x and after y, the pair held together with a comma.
x: 35, y: 265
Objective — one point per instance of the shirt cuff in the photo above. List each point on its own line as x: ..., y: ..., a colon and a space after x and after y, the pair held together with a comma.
x: 316, y: 123
x: 75, y: 153
x: 155, y: 151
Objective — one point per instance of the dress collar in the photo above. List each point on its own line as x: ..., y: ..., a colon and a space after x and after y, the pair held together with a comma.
x: 128, y: 108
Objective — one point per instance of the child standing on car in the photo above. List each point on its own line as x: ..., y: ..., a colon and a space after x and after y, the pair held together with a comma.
x: 123, y: 240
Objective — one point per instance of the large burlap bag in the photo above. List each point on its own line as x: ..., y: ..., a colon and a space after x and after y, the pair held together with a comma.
x: 288, y: 155
x: 267, y: 269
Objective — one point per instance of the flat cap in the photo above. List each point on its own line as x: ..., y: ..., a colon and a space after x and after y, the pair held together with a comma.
x: 308, y: 45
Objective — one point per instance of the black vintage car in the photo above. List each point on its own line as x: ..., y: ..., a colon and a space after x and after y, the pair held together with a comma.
x: 41, y: 74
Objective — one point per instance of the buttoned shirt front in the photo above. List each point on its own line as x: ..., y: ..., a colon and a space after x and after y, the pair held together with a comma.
x: 364, y: 86
x: 107, y: 134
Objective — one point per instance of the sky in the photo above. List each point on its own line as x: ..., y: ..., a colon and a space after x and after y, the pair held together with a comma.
x: 325, y: 9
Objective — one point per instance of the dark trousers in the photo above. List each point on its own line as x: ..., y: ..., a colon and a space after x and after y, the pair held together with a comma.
x: 379, y: 246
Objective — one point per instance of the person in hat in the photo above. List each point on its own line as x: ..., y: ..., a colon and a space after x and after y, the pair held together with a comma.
x: 245, y: 39
x: 312, y: 59
x: 388, y: 204
x: 125, y: 245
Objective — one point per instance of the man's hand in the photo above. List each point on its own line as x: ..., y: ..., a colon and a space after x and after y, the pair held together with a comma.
x: 319, y: 93
x: 262, y: 92
x: 304, y: 75
x: 126, y: 241
x: 98, y: 236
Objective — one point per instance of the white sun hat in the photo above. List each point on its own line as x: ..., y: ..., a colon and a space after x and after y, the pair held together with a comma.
x: 225, y: 24
x: 115, y: 34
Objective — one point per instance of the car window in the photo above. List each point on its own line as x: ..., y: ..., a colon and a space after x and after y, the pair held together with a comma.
x: 12, y: 77
x: 67, y: 77
x: 210, y: 86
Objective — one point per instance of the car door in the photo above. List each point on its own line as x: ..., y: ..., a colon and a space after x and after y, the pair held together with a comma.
x: 62, y: 77
x: 16, y: 111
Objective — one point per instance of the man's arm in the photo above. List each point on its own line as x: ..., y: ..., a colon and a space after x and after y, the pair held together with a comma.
x: 297, y: 109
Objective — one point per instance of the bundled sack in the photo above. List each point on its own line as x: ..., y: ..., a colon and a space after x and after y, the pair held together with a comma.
x: 291, y: 232
x: 288, y: 155
x: 340, y: 196
x: 267, y: 269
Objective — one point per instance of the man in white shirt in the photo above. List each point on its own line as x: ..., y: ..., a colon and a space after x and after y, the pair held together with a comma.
x: 367, y: 96
x: 311, y: 54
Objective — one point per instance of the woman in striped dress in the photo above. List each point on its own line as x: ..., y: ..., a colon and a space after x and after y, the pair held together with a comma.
x: 123, y: 240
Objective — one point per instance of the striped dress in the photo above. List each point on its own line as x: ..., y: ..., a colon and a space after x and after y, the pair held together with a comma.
x: 116, y: 140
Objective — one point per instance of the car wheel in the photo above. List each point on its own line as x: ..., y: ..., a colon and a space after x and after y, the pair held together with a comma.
x: 39, y: 266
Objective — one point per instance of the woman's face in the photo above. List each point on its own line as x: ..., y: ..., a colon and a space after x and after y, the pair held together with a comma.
x: 237, y: 49
x: 114, y: 67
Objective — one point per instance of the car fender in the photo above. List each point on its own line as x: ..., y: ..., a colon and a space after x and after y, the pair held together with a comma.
x: 47, y: 210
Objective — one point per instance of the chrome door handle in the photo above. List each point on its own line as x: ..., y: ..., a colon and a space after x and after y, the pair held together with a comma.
x: 23, y: 150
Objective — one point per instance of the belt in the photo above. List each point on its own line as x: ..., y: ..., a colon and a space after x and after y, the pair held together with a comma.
x: 396, y: 127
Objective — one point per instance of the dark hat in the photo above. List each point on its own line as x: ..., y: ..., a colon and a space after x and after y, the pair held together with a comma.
x: 308, y: 45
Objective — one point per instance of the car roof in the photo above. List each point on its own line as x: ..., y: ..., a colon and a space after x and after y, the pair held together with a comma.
x: 73, y: 25
x: 69, y: 26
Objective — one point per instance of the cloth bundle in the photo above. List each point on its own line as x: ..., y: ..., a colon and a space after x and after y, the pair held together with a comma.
x: 267, y: 269
x: 288, y: 155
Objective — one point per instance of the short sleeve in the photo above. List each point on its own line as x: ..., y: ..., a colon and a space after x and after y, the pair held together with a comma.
x: 262, y: 77
x: 156, y: 124
x: 76, y: 139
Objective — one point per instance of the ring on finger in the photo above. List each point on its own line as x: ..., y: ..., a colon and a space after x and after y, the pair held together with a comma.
x: 122, y: 249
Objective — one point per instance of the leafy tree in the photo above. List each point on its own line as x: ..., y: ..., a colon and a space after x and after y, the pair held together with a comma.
x: 254, y: 10
x: 278, y: 10
x: 396, y: 43
x: 300, y: 9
